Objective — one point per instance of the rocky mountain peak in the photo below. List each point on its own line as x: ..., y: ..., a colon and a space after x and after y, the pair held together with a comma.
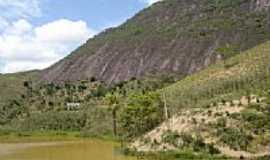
x: 171, y: 37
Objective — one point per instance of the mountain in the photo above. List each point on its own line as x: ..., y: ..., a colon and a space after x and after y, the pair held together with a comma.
x: 177, y: 37
x: 221, y: 110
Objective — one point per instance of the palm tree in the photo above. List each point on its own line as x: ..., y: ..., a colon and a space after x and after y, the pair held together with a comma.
x: 113, y: 100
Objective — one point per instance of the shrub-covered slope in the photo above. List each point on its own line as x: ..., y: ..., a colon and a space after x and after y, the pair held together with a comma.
x: 222, y: 109
x: 12, y: 85
x: 172, y: 36
x: 241, y: 75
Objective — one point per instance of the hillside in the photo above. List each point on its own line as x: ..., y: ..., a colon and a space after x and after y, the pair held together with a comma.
x: 173, y: 36
x: 12, y: 85
x: 225, y: 106
x: 241, y: 75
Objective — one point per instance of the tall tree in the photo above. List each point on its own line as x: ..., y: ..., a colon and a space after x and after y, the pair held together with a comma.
x: 113, y: 100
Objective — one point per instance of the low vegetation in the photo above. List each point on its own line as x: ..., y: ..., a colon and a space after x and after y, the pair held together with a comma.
x: 248, y: 73
x: 223, y: 109
x: 126, y: 110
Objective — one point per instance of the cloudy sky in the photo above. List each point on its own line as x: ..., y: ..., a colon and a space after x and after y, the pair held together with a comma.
x: 36, y: 33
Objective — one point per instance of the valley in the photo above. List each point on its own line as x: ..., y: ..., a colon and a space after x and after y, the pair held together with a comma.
x: 182, y: 79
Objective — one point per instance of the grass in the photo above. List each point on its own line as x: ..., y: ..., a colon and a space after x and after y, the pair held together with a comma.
x: 240, y: 75
x: 26, y: 136
x: 13, y: 136
x: 176, y: 155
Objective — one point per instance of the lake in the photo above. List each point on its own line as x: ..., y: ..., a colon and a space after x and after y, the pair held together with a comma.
x: 70, y: 150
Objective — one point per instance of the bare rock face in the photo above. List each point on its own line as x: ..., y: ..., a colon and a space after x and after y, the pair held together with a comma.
x: 171, y: 37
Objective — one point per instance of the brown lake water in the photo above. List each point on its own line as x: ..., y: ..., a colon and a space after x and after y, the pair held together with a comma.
x: 75, y: 150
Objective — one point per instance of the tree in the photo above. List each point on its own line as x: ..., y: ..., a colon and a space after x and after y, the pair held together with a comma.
x: 142, y: 113
x: 113, y: 100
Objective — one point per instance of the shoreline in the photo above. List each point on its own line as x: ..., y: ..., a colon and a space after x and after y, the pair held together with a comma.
x: 47, y: 136
x: 9, y: 148
x: 12, y: 142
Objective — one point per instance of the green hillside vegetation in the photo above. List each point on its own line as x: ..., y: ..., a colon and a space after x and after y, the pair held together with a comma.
x: 224, y: 84
x: 11, y: 85
x: 208, y: 103
x: 11, y: 90
x: 244, y: 74
x: 103, y: 110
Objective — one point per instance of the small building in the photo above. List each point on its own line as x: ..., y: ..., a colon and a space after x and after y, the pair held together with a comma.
x: 72, y: 106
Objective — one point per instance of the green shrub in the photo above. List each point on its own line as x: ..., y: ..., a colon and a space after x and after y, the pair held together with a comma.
x: 256, y: 120
x: 142, y: 113
x: 200, y: 146
x: 236, y: 138
x: 172, y: 138
x: 14, y: 109
x: 186, y: 141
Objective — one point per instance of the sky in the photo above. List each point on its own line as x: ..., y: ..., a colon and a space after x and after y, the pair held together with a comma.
x: 34, y: 34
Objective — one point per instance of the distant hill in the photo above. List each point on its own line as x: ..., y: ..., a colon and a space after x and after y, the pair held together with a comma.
x: 173, y: 36
x: 12, y: 85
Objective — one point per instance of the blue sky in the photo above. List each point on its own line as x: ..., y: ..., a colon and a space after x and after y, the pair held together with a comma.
x: 97, y: 13
x: 37, y: 33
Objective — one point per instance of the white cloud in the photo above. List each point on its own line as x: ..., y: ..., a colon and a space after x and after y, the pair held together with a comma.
x: 25, y: 47
x: 15, y: 66
x: 150, y: 2
x: 56, y: 32
x: 18, y: 27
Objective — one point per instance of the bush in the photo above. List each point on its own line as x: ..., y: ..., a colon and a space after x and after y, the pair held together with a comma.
x: 100, y: 91
x: 200, y: 146
x: 256, y: 120
x: 186, y: 141
x: 14, y: 109
x: 172, y: 138
x: 142, y: 113
x: 236, y: 138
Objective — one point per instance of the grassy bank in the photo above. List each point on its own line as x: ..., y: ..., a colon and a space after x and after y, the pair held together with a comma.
x: 175, y: 155
x: 26, y: 136
x: 13, y: 136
